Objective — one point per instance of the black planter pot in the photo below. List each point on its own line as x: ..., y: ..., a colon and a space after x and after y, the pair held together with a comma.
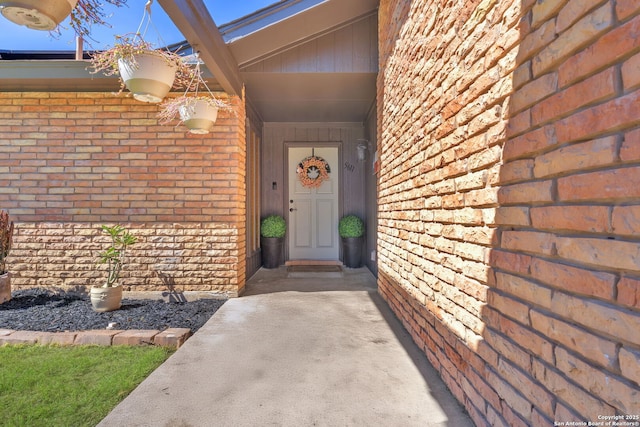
x: 352, y: 251
x: 272, y: 251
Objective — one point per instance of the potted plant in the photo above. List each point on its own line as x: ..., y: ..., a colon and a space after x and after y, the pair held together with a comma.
x: 351, y: 230
x: 46, y: 15
x: 6, y: 238
x: 198, y: 113
x: 272, y: 231
x: 108, y: 297
x: 148, y: 73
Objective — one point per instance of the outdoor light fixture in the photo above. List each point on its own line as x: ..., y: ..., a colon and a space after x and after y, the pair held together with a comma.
x: 37, y: 14
x: 362, y: 149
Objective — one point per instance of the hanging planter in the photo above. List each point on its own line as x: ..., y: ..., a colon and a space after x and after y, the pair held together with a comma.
x: 149, y: 76
x: 37, y: 14
x: 46, y: 15
x: 199, y: 116
x: 196, y: 111
x: 148, y: 73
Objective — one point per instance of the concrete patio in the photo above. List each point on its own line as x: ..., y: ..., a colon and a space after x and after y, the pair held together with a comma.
x: 312, y: 349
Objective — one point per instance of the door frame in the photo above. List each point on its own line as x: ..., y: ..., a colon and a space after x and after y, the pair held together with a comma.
x: 337, y: 169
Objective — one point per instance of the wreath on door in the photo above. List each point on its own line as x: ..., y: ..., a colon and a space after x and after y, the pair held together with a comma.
x: 313, y: 171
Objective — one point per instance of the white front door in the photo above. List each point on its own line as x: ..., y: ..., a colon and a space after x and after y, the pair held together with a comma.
x: 313, y: 209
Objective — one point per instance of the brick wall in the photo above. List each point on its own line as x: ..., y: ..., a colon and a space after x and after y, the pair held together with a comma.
x: 70, y: 162
x: 509, y: 201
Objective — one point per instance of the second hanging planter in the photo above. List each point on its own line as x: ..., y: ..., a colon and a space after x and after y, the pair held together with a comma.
x: 199, y: 115
x: 198, y: 111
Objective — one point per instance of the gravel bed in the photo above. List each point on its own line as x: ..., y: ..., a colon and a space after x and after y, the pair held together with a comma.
x: 58, y: 311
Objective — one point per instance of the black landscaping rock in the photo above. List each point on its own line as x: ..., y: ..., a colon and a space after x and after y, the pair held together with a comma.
x: 58, y: 311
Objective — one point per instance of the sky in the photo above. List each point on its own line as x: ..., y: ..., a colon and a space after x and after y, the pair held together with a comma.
x: 124, y: 20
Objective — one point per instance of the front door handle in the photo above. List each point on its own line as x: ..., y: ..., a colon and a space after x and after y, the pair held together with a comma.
x: 292, y: 209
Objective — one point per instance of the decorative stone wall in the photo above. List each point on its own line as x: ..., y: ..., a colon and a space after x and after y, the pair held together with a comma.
x: 181, y: 256
x: 509, y: 201
x: 70, y: 162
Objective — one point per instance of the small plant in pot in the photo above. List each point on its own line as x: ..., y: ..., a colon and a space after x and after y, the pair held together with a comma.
x: 351, y: 230
x: 272, y: 231
x: 108, y: 297
x: 6, y: 239
x: 148, y: 73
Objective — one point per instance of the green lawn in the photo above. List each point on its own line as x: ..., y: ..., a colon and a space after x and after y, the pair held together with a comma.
x: 69, y: 386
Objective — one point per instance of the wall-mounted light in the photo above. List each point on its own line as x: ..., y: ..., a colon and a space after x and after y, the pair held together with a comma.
x: 362, y: 149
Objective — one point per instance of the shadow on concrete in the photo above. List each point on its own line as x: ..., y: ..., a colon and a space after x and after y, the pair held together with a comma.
x: 362, y: 280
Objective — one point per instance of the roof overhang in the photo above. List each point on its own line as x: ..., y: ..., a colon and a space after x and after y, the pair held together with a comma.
x: 52, y: 76
x: 289, y: 23
x: 194, y: 21
x: 302, y: 95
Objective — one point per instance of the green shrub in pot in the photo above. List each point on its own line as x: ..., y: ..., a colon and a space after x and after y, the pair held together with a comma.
x: 272, y: 231
x: 351, y: 226
x: 273, y: 226
x: 351, y: 230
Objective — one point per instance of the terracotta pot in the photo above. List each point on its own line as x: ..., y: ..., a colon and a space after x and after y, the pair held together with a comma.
x: 37, y: 14
x: 5, y: 287
x: 106, y: 299
x: 149, y: 77
x: 199, y: 116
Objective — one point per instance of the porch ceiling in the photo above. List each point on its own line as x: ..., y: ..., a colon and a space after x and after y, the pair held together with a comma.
x: 311, y: 97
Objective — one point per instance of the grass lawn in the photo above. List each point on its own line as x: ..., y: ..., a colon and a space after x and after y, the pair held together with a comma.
x: 70, y: 386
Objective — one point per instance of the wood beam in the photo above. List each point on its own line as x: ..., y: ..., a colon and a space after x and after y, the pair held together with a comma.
x: 194, y: 21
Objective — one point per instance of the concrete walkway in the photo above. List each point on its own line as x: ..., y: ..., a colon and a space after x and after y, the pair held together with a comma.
x: 310, y: 350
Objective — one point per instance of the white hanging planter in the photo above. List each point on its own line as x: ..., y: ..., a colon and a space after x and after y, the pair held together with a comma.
x: 37, y: 14
x: 199, y: 116
x: 198, y: 112
x: 149, y: 76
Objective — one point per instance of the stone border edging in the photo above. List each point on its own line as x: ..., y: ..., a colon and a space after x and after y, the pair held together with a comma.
x: 172, y: 337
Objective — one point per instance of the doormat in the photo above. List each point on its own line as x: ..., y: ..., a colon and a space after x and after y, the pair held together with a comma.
x: 308, y: 271
x: 313, y: 268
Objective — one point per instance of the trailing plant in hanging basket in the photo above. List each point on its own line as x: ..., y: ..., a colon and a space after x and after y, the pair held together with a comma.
x: 90, y: 12
x: 125, y: 56
x: 198, y: 112
x: 47, y: 15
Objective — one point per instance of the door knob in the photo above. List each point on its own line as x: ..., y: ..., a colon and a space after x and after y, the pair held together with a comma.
x: 292, y: 209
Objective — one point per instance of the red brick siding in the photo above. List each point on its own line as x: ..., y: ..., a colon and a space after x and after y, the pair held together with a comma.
x: 72, y: 161
x: 509, y: 214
